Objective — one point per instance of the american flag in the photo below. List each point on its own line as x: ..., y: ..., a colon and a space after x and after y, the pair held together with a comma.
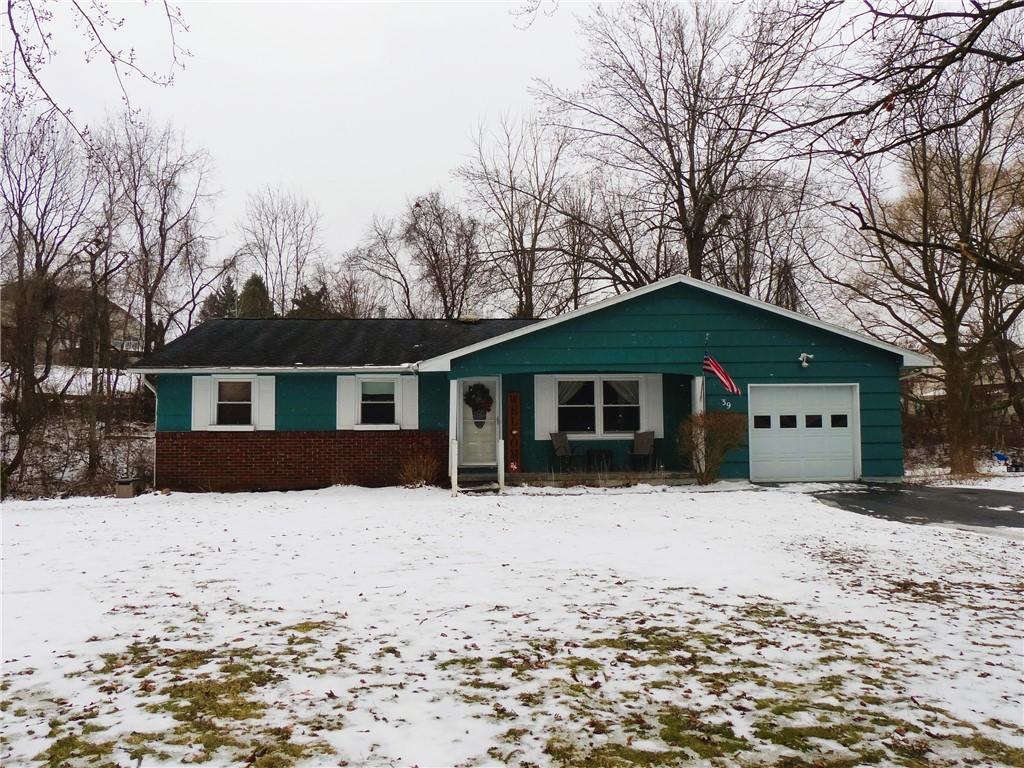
x: 711, y: 366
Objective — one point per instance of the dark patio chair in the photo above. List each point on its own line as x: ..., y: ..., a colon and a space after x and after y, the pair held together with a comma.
x: 563, y: 457
x: 642, y: 454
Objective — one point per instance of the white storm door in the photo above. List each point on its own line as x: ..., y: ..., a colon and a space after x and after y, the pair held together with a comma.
x: 478, y: 422
x: 803, y: 432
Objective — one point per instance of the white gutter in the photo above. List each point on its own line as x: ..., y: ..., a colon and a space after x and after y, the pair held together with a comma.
x: 403, y: 368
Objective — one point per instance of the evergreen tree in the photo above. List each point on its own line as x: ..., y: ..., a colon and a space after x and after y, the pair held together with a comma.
x: 221, y: 303
x: 254, y: 301
x: 310, y: 303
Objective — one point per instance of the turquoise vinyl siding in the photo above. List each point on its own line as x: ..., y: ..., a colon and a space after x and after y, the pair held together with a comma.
x: 302, y: 402
x: 664, y: 331
x: 174, y: 402
x: 433, y: 401
x: 306, y: 402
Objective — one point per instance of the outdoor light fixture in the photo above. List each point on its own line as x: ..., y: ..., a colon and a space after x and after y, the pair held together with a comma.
x: 805, y: 359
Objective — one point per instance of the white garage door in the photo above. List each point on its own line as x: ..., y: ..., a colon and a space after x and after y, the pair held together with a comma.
x: 803, y: 432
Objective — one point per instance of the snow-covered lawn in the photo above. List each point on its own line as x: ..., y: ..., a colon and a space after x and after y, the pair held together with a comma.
x: 403, y: 627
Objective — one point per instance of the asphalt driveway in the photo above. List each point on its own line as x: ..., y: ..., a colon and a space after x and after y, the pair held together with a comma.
x: 1000, y: 512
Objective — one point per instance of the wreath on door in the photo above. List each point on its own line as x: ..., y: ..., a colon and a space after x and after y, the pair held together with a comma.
x: 478, y: 398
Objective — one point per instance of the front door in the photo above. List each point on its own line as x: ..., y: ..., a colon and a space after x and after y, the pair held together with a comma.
x: 478, y: 424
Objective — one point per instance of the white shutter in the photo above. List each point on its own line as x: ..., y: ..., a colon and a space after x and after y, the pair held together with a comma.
x: 653, y: 408
x: 410, y: 393
x: 266, y: 403
x: 346, y: 416
x: 201, y: 403
x: 545, y: 403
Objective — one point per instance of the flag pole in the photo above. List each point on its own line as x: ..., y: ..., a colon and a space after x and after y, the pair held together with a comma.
x: 704, y: 389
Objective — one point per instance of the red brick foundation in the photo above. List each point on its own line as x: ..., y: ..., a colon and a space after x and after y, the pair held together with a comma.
x: 265, y: 461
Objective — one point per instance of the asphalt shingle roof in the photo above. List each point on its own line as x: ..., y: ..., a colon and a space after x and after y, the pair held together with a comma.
x: 250, y: 342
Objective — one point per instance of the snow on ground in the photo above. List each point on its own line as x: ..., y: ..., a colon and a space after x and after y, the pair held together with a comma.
x: 404, y: 627
x: 1005, y: 482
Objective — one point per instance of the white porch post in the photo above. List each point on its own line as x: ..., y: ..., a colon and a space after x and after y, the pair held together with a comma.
x: 501, y: 465
x: 698, y: 407
x: 453, y: 435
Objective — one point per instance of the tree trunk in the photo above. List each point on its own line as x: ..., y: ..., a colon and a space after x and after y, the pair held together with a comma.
x: 960, y: 428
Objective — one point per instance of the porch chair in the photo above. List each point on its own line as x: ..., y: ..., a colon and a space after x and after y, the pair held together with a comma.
x: 563, y: 458
x: 642, y: 454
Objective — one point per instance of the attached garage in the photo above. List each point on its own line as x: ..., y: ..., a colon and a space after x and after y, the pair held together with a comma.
x: 804, y: 432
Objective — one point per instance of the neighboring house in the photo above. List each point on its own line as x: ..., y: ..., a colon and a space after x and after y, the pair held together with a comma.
x: 124, y: 343
x: 291, y: 403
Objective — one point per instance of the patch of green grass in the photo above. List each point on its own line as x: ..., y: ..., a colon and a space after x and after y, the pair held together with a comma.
x: 575, y: 664
x: 305, y: 627
x: 685, y: 728
x: 469, y: 662
x: 139, y: 746
x: 223, y: 697
x: 993, y: 749
x: 565, y: 753
x: 798, y: 737
x: 277, y: 750
x: 74, y: 748
x: 530, y: 698
x: 479, y: 682
x: 189, y: 659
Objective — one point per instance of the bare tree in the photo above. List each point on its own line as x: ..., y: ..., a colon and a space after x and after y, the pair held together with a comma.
x: 281, y: 237
x: 769, y: 242
x: 872, y: 67
x: 444, y: 245
x: 30, y: 46
x: 164, y: 187
x: 631, y: 242
x: 429, y: 260
x: 46, y: 193
x: 383, y: 259
x: 575, y: 246
x: 915, y: 275
x: 680, y: 100
x: 351, y: 295
x: 514, y: 179
x: 103, y: 265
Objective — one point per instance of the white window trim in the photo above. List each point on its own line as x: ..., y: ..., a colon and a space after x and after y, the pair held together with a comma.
x: 599, y: 433
x: 397, y: 379
x: 253, y: 404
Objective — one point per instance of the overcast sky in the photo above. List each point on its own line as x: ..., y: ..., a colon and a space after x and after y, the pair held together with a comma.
x: 357, y: 106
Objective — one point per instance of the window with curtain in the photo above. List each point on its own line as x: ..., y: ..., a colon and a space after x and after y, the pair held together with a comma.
x: 620, y: 409
x: 377, y: 402
x: 577, y: 406
x: 234, y: 403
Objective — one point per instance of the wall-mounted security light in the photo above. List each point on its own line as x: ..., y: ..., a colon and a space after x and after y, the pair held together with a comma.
x: 805, y: 359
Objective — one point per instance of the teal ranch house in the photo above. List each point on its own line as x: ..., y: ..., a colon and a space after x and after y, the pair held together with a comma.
x: 251, y: 404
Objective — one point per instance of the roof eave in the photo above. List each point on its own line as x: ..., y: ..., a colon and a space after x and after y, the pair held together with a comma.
x: 212, y: 369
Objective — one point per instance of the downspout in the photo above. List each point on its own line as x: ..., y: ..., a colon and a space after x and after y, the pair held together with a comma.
x: 156, y: 404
